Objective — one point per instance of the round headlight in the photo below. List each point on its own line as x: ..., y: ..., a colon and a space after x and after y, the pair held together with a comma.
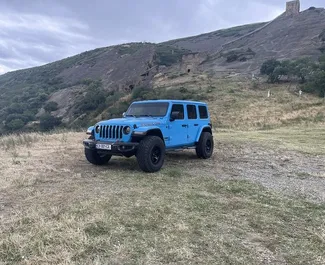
x: 126, y: 130
x: 97, y: 129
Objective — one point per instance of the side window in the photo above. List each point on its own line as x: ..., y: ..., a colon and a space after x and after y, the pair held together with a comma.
x: 179, y: 108
x: 191, y: 112
x: 203, y: 112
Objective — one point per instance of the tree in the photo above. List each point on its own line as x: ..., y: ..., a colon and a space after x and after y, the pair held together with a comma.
x: 302, y: 68
x: 17, y: 108
x: 51, y: 106
x: 48, y: 122
x: 269, y: 66
x: 316, y: 84
x: 232, y: 58
x: 278, y: 72
x: 15, y: 124
x: 311, y: 74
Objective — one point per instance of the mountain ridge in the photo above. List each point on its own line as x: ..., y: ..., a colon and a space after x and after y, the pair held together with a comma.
x: 122, y: 68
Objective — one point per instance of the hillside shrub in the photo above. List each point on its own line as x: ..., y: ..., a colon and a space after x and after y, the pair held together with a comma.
x: 24, y: 117
x: 140, y: 93
x: 168, y: 55
x: 232, y: 58
x: 15, y: 124
x: 310, y: 74
x: 48, y: 122
x: 94, y: 97
x: 268, y: 66
x: 51, y: 106
x: 17, y: 108
x: 322, y: 35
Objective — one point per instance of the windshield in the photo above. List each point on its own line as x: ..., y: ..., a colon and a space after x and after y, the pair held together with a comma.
x: 148, y: 109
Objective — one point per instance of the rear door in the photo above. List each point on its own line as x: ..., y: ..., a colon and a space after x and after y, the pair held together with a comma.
x: 178, y: 127
x: 193, y: 122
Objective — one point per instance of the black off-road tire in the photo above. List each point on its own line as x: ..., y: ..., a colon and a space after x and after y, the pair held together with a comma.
x: 97, y: 159
x: 204, y: 148
x: 151, y: 154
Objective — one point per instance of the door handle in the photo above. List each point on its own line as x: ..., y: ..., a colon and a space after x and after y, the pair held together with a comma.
x: 196, y: 125
x: 184, y: 125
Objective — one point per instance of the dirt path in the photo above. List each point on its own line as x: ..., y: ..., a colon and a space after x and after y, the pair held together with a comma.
x: 290, y: 172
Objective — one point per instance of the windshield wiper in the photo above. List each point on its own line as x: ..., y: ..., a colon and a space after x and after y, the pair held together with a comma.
x: 130, y: 115
x: 146, y: 115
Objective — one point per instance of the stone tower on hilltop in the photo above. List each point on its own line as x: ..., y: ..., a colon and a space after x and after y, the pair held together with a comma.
x: 293, y: 8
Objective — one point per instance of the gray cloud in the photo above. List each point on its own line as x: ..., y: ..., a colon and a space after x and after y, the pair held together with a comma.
x: 43, y: 31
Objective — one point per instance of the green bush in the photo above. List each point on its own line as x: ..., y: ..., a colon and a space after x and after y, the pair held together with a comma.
x: 48, y: 122
x: 15, y: 124
x: 232, y: 58
x: 322, y: 35
x: 310, y: 74
x: 92, y: 100
x: 51, y: 106
x: 140, y: 93
x: 168, y: 55
x: 15, y: 116
x: 17, y: 108
x: 268, y: 66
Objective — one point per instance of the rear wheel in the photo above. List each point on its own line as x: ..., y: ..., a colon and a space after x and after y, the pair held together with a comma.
x: 204, y: 148
x: 95, y: 158
x: 151, y: 154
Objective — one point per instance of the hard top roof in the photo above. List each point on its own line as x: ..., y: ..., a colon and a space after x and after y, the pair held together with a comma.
x: 171, y: 101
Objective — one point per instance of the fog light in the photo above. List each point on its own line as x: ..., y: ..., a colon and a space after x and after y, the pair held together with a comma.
x: 126, y: 130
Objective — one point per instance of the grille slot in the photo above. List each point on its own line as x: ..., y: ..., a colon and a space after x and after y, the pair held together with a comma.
x: 111, y: 132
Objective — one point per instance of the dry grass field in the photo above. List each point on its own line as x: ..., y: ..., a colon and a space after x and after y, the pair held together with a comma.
x: 260, y: 200
x: 237, y: 102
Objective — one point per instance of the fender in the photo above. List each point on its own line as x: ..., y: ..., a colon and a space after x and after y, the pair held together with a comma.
x: 90, y: 130
x: 203, y: 128
x: 141, y: 131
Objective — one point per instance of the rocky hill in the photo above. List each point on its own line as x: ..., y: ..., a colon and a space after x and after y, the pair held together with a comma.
x: 286, y: 37
x: 87, y: 86
x: 213, y: 41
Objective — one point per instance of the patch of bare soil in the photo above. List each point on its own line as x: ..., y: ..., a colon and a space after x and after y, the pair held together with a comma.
x: 290, y: 172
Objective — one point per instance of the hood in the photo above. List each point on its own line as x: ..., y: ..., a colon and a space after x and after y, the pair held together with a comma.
x: 140, y: 122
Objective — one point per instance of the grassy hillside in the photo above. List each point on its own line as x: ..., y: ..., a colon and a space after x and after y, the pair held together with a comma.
x: 254, y: 202
x: 106, y: 72
x: 100, y: 84
x: 241, y: 103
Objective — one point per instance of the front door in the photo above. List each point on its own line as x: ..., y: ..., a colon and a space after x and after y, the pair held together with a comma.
x: 178, y: 127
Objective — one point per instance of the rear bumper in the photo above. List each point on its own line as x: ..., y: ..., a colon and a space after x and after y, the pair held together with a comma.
x: 116, y: 148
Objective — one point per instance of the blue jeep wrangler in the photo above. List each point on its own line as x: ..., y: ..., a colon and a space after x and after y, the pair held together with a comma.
x: 150, y: 128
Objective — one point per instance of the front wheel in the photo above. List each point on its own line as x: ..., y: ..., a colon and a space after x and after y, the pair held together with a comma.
x: 204, y: 148
x: 97, y: 159
x: 151, y: 154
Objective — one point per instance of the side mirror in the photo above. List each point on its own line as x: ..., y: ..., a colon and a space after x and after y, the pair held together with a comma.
x: 124, y: 114
x: 174, y: 115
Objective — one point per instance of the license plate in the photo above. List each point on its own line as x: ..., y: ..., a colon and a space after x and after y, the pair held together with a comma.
x: 104, y: 146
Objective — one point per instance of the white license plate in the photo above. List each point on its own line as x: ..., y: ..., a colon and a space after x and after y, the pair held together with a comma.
x: 104, y: 146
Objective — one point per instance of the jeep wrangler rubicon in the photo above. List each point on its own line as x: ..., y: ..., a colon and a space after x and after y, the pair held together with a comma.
x: 150, y: 128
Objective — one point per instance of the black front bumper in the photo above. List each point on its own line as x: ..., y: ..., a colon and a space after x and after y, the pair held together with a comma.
x: 116, y: 147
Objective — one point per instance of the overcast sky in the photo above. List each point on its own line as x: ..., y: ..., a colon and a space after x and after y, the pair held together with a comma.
x: 35, y: 32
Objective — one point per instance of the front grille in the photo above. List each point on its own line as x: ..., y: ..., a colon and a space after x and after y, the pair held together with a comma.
x: 111, y: 131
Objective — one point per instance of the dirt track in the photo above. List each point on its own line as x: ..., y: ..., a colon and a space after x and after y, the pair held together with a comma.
x: 286, y: 171
x: 291, y: 172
